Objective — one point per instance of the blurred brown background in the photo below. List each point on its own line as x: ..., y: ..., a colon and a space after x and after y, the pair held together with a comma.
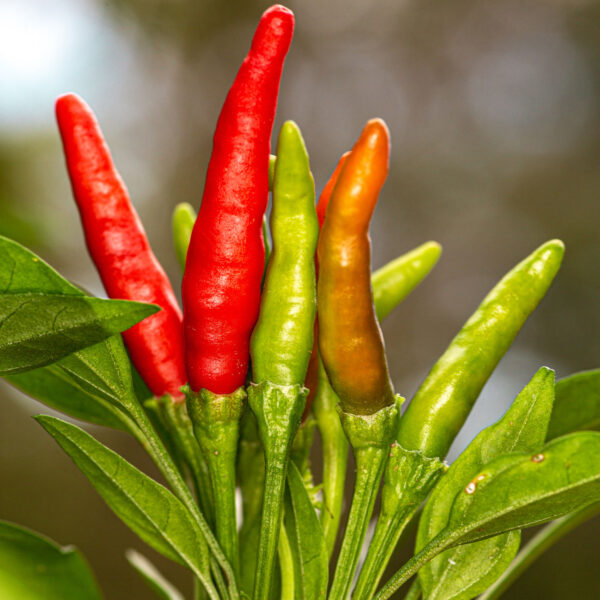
x: 494, y: 111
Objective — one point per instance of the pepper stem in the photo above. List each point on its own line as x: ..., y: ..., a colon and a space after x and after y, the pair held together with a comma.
x: 409, y: 477
x: 251, y: 479
x: 215, y: 418
x: 278, y: 410
x: 175, y: 418
x: 335, y: 457
x: 370, y: 437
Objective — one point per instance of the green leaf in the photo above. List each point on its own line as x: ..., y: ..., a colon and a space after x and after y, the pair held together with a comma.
x: 146, y: 507
x: 141, y: 390
x: 151, y: 575
x: 545, y: 538
x: 516, y: 491
x: 466, y: 571
x: 54, y: 387
x: 104, y: 370
x: 33, y: 567
x: 21, y: 271
x: 39, y: 329
x: 94, y: 384
x: 43, y: 317
x: 306, y: 540
x: 577, y: 404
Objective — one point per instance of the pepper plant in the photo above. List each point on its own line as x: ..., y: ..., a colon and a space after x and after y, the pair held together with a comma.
x: 271, y: 344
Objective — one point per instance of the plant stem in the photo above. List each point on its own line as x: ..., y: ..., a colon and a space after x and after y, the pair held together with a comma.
x: 381, y: 548
x: 537, y: 545
x: 370, y: 462
x: 412, y: 567
x: 145, y: 434
x: 251, y: 479
x: 176, y: 420
x: 215, y: 418
x: 335, y: 457
x: 409, y: 477
x: 278, y: 410
x: 370, y: 437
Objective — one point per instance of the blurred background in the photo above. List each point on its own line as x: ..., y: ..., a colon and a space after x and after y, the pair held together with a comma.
x: 494, y: 112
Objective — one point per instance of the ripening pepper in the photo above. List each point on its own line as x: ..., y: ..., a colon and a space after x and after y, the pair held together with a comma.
x: 350, y: 340
x: 325, y: 196
x: 312, y: 374
x: 118, y: 245
x: 225, y: 259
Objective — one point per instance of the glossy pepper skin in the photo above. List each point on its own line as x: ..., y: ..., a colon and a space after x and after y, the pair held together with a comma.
x: 120, y: 250
x: 396, y: 279
x: 350, y: 340
x: 283, y: 336
x: 325, y: 196
x: 225, y: 260
x: 312, y: 375
x: 444, y: 400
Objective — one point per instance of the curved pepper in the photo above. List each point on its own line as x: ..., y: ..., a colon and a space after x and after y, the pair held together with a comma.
x: 118, y: 245
x: 312, y: 374
x: 443, y: 401
x: 221, y: 286
x: 350, y: 340
x: 282, y: 339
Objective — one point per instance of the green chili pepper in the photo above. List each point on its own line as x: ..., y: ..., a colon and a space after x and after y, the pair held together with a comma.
x: 282, y: 338
x: 395, y: 280
x: 184, y: 217
x: 444, y: 400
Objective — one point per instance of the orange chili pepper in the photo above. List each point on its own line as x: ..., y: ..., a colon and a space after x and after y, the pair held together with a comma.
x: 325, y: 196
x: 312, y: 374
x: 350, y: 339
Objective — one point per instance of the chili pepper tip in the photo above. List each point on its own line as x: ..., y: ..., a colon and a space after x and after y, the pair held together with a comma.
x: 67, y: 104
x: 277, y: 11
x: 557, y: 245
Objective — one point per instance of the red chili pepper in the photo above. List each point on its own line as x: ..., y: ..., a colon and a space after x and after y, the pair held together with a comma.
x: 120, y: 250
x: 225, y: 261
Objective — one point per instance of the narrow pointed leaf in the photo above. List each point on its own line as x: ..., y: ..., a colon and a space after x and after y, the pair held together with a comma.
x: 32, y: 567
x: 43, y: 317
x: 306, y: 540
x: 518, y: 491
x: 577, y: 404
x: 94, y: 384
x: 21, y: 271
x: 544, y: 539
x: 466, y: 571
x: 146, y: 507
x: 39, y: 329
x: 55, y: 388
